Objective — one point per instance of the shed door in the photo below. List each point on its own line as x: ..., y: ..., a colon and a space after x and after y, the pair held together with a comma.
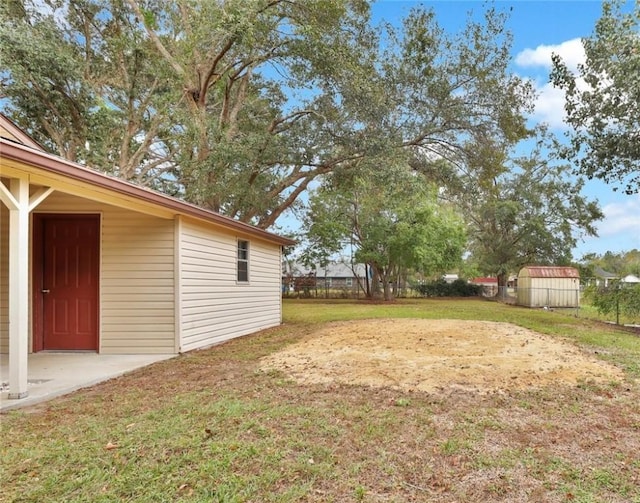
x: 69, y: 289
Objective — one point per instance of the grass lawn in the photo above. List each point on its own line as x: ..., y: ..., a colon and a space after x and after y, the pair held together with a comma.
x: 210, y: 427
x: 588, y: 311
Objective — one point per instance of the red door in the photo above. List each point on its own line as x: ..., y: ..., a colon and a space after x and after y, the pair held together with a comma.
x: 69, y: 282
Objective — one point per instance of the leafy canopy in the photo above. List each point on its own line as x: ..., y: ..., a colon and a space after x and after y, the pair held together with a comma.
x: 393, y: 219
x: 522, y: 209
x: 240, y: 105
x: 603, y: 100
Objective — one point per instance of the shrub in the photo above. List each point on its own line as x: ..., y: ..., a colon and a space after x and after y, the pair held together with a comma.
x: 440, y: 288
x: 617, y: 298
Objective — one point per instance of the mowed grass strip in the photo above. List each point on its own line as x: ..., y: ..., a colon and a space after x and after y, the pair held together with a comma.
x: 210, y: 426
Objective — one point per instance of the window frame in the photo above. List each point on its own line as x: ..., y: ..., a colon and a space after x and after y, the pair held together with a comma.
x: 242, y: 260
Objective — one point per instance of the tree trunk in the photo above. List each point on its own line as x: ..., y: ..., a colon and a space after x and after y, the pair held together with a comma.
x: 367, y: 279
x: 375, y: 292
x: 388, y: 291
x: 502, y: 284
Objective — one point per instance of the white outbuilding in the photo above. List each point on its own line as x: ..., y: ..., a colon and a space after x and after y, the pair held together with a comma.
x: 92, y: 263
x: 548, y: 286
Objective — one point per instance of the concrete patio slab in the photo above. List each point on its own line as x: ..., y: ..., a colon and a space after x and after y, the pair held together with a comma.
x: 54, y: 374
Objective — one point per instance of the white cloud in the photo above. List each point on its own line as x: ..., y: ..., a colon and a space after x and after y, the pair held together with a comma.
x: 550, y: 101
x: 549, y: 107
x: 570, y: 51
x: 619, y: 231
x: 623, y: 219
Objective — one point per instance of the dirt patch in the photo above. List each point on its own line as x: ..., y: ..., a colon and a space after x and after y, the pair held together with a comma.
x: 432, y: 355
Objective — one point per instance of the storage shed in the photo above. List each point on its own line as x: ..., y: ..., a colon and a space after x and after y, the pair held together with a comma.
x: 548, y: 286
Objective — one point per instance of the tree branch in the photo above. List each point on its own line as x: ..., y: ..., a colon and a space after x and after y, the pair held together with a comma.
x: 156, y: 40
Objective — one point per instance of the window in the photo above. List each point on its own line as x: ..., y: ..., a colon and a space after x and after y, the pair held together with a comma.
x: 349, y: 282
x: 243, y: 260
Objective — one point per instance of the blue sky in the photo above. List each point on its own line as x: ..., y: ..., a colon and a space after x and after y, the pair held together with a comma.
x: 540, y: 28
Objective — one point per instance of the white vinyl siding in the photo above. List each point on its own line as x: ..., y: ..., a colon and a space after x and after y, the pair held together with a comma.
x: 136, y: 276
x: 4, y: 279
x: 214, y: 306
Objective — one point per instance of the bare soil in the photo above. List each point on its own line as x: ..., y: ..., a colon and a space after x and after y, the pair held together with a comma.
x: 436, y: 355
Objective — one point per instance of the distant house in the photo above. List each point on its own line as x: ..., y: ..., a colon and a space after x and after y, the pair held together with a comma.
x: 548, y: 286
x: 489, y: 285
x: 335, y: 276
x: 450, y: 278
x: 603, y: 277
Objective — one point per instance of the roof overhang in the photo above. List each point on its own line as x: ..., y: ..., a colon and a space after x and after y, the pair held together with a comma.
x: 9, y: 128
x: 46, y: 168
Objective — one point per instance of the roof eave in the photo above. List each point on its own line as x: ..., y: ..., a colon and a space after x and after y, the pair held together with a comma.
x: 59, y: 166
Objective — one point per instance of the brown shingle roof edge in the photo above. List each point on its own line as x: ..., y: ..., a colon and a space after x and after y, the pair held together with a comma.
x: 59, y: 166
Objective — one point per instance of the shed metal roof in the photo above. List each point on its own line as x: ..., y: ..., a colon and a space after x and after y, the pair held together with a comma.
x: 539, y: 271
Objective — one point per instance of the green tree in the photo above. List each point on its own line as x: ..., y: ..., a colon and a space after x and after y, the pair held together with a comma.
x: 620, y: 263
x: 632, y: 262
x: 85, y: 86
x: 196, y: 88
x: 603, y: 99
x: 522, y: 209
x: 394, y: 221
x: 616, y: 299
x: 244, y: 103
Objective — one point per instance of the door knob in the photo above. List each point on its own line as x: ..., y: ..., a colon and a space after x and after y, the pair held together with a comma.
x: 45, y: 290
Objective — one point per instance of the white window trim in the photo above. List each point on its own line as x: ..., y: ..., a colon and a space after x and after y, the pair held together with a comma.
x: 238, y: 260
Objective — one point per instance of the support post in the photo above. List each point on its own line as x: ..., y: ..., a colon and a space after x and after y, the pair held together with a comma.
x: 18, y: 288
